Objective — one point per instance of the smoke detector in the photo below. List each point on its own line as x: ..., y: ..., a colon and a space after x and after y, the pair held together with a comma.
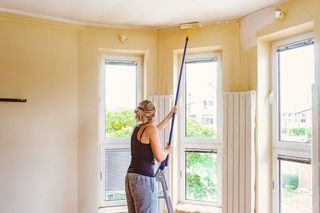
x: 279, y: 14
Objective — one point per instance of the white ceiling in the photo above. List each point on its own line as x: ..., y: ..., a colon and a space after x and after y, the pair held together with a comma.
x: 137, y: 13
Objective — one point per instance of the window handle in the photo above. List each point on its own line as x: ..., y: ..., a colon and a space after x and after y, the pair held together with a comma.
x: 271, y: 97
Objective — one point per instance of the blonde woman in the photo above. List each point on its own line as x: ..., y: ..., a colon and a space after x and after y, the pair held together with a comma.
x: 140, y: 183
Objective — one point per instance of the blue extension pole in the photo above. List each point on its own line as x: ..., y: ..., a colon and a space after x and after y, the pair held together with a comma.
x: 165, y: 162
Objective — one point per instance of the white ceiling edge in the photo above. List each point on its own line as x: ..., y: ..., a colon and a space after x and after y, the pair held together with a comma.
x: 35, y: 15
x: 89, y: 24
x: 69, y: 21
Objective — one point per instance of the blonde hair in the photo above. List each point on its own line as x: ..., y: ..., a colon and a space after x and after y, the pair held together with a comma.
x: 145, y: 111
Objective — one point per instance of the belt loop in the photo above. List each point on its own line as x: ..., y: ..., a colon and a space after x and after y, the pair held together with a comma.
x: 152, y: 185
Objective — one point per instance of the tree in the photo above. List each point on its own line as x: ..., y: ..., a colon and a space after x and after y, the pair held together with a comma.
x: 194, y: 129
x: 120, y: 123
x: 200, y: 170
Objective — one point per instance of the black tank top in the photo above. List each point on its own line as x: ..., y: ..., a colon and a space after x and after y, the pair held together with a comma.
x: 142, y: 159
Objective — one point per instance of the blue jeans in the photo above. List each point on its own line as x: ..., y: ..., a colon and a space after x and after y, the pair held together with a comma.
x: 141, y: 193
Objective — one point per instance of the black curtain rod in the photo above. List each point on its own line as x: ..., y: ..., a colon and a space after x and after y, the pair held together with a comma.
x: 12, y: 100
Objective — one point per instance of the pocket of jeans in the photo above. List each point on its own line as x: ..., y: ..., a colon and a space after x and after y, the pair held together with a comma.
x: 140, y: 180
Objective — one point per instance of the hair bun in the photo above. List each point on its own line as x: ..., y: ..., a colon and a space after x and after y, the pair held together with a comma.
x: 145, y: 111
x: 139, y: 110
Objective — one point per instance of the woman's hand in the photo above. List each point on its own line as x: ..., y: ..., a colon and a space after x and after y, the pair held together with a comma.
x: 173, y: 110
x: 168, y: 148
x: 164, y: 122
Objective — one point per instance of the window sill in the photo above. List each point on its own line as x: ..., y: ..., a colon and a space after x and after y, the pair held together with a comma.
x: 121, y: 209
x: 193, y: 208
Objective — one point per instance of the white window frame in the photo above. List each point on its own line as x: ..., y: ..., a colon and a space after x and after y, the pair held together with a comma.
x: 113, y: 143
x: 276, y: 172
x: 199, y: 143
x: 290, y: 148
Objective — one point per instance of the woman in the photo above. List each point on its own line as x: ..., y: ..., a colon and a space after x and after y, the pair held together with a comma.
x: 140, y: 183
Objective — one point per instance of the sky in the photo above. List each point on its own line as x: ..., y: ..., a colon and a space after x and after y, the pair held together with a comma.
x: 120, y: 86
x: 296, y: 78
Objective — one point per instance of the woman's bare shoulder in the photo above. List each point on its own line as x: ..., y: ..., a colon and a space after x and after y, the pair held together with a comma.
x: 152, y: 129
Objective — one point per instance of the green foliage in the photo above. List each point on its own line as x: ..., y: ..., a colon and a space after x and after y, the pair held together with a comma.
x: 297, y: 132
x: 120, y: 123
x: 113, y: 195
x: 194, y: 129
x: 290, y: 182
x: 200, y: 170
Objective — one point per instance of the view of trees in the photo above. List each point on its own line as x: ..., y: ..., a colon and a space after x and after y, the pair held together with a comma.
x: 305, y: 132
x: 201, y: 167
x: 195, y: 129
x: 120, y: 124
x: 290, y: 182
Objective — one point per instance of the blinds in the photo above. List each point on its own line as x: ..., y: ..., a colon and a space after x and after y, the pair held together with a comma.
x: 296, y: 45
x: 116, y: 165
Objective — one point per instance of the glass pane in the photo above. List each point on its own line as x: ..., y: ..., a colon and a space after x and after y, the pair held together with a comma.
x: 296, y: 75
x: 201, y: 176
x: 296, y: 186
x: 121, y: 95
x: 201, y: 98
x: 116, y: 165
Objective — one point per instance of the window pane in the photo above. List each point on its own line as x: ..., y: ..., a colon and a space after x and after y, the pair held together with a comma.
x: 201, y: 176
x: 296, y: 186
x: 121, y: 95
x: 201, y: 98
x: 296, y: 75
x: 116, y: 165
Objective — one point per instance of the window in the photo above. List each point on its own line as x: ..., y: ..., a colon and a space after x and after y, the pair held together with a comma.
x: 200, y: 130
x: 121, y: 97
x: 120, y: 92
x: 200, y: 88
x: 295, y: 185
x: 295, y: 76
x: 201, y: 175
x: 292, y: 78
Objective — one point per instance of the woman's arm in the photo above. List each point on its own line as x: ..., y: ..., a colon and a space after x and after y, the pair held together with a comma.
x: 154, y: 139
x: 165, y: 121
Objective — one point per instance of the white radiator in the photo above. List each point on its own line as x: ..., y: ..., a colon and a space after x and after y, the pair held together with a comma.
x: 238, y: 152
x: 163, y: 105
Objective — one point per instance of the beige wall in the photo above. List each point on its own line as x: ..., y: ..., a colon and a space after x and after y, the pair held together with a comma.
x: 258, y: 31
x: 38, y: 139
x: 49, y: 146
x: 89, y: 42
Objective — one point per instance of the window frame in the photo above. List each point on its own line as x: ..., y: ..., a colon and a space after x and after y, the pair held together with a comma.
x: 200, y: 143
x: 285, y: 148
x: 113, y: 143
x: 297, y: 146
x: 276, y: 173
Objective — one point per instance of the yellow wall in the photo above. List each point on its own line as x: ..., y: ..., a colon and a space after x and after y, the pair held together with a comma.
x: 89, y: 42
x: 38, y: 139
